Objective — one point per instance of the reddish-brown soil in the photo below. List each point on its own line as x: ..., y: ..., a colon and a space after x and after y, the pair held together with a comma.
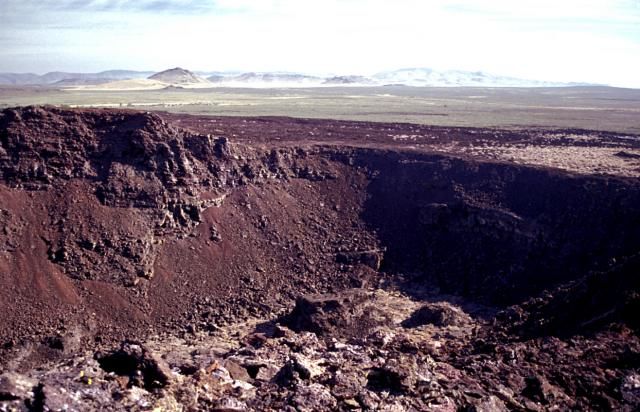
x: 121, y: 223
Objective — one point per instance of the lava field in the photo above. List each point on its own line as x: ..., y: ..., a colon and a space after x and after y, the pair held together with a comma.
x: 179, y: 263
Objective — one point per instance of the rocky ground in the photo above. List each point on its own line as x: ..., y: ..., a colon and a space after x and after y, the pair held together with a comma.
x: 164, y: 262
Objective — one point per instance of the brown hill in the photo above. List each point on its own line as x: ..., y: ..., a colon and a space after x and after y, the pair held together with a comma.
x: 178, y: 76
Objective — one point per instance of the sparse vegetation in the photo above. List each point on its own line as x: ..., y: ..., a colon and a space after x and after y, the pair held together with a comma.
x: 597, y: 108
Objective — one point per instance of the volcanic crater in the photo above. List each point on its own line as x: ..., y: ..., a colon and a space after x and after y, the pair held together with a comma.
x: 222, y: 263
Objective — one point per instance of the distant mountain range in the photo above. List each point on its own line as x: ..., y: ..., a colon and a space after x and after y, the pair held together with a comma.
x: 64, y: 78
x: 271, y: 79
x: 179, y: 77
x: 434, y: 78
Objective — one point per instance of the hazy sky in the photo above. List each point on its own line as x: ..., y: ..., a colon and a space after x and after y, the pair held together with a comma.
x: 563, y: 40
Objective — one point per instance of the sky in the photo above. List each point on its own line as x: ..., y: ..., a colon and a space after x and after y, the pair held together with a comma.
x: 596, y: 41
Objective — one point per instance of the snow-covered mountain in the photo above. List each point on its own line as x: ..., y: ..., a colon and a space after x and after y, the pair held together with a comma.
x: 416, y: 77
x: 178, y: 77
x: 268, y: 79
x: 350, y: 80
x: 422, y: 77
